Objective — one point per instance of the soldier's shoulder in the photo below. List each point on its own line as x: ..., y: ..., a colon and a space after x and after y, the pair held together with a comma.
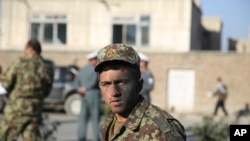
x: 149, y: 72
x: 162, y: 119
x: 18, y: 62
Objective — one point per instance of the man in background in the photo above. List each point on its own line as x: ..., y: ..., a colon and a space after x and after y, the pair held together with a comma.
x: 221, y: 92
x: 2, y: 89
x: 147, y: 76
x: 87, y: 84
x: 27, y: 82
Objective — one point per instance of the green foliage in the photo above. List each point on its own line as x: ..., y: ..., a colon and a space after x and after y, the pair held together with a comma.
x: 211, y: 130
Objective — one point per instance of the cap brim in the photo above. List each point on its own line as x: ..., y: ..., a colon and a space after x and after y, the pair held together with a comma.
x: 104, y: 63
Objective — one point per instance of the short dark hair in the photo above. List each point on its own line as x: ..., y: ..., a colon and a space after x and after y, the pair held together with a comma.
x: 116, y: 65
x: 35, y: 44
x: 219, y: 79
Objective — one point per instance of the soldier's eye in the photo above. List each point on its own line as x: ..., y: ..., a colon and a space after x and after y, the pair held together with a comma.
x: 104, y: 84
x: 123, y: 82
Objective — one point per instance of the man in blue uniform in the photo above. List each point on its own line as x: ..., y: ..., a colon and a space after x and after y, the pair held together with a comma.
x: 147, y: 76
x: 87, y: 84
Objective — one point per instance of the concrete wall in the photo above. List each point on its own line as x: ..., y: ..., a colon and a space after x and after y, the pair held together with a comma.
x: 233, y: 68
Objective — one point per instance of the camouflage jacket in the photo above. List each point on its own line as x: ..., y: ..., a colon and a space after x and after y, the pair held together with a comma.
x: 146, y: 122
x: 27, y: 82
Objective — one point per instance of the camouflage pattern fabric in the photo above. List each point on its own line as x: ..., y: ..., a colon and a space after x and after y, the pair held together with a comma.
x: 146, y: 122
x: 26, y: 81
x: 119, y: 52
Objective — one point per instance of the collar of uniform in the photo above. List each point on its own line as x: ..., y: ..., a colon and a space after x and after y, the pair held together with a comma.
x: 134, y: 119
x: 23, y: 58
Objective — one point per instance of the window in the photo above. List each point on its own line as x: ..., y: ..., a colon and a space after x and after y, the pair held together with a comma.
x: 131, y: 30
x: 49, y: 29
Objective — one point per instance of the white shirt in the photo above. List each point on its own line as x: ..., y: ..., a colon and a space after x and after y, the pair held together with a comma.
x: 2, y: 90
x: 221, y: 88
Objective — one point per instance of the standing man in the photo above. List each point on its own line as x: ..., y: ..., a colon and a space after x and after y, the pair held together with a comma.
x: 87, y: 84
x: 132, y: 117
x: 2, y: 90
x: 147, y: 76
x: 27, y: 82
x: 221, y: 93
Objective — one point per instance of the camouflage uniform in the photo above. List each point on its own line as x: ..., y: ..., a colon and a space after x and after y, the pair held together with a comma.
x: 146, y: 122
x: 28, y: 82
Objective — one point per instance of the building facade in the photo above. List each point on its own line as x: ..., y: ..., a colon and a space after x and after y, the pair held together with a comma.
x: 168, y: 31
x: 154, y: 26
x: 211, y: 34
x: 239, y: 45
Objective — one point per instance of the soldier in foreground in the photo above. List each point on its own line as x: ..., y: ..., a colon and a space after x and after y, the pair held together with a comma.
x: 27, y: 82
x: 132, y: 117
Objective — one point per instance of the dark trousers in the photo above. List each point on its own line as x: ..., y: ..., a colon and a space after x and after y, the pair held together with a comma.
x: 90, y: 110
x: 220, y: 104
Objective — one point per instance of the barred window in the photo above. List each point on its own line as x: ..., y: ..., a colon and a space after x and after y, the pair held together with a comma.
x: 49, y: 29
x: 131, y: 30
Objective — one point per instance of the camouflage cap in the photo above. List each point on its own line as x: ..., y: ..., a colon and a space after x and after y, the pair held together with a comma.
x: 117, y: 52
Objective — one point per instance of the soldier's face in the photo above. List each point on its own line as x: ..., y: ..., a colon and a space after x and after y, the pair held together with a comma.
x: 119, y: 90
x: 28, y: 50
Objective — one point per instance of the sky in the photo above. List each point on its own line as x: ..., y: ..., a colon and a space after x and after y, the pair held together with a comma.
x: 235, y: 15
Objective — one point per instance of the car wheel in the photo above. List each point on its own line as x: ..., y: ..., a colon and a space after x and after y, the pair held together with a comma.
x: 72, y: 105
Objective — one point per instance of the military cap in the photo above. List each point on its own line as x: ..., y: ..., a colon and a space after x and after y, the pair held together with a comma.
x: 117, y: 52
x: 143, y: 57
x: 91, y: 55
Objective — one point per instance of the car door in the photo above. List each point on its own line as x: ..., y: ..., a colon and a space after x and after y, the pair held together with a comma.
x: 55, y: 95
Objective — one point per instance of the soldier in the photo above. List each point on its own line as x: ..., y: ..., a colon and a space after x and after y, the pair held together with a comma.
x: 147, y: 76
x: 132, y: 117
x: 27, y: 82
x: 87, y: 84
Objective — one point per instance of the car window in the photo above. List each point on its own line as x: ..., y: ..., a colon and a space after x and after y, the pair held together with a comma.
x: 63, y: 74
x: 56, y: 74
